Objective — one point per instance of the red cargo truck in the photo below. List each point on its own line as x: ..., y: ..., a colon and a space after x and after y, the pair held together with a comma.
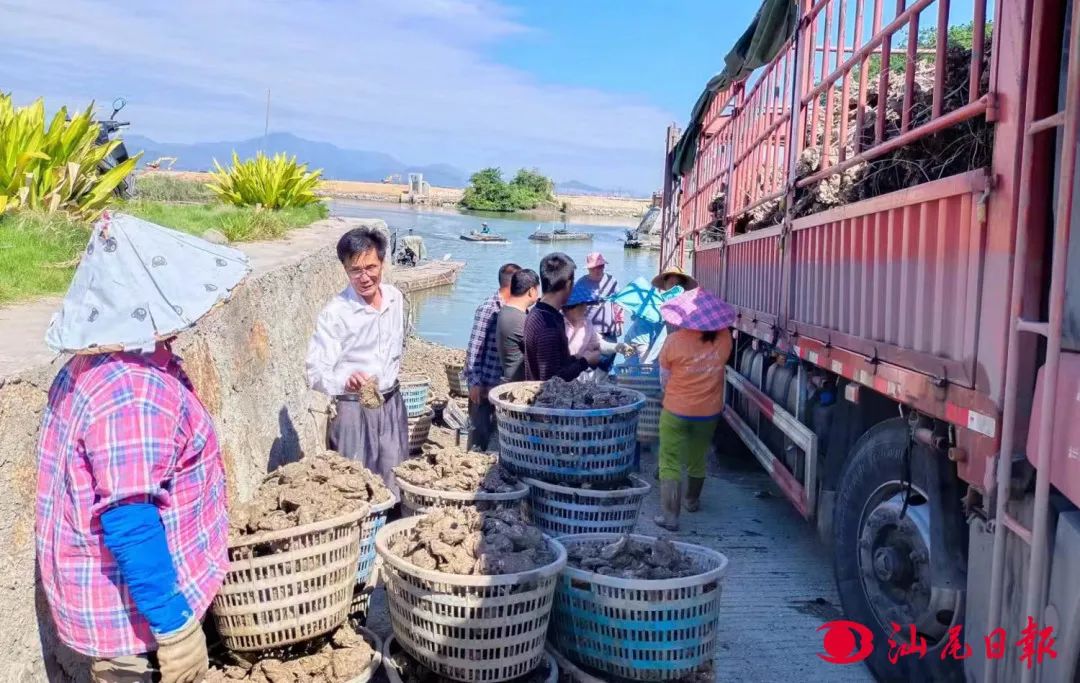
x: 890, y: 203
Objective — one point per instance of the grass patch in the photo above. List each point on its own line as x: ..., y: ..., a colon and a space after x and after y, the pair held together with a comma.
x: 38, y: 251
x: 239, y: 224
x: 158, y: 187
x: 32, y: 248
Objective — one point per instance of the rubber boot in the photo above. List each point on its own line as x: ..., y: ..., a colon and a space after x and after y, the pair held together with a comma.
x: 693, y: 493
x: 670, y: 502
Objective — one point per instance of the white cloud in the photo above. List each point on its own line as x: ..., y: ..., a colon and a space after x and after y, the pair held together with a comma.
x: 408, y: 78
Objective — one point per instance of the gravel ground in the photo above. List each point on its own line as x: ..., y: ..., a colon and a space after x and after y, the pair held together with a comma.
x: 779, y: 587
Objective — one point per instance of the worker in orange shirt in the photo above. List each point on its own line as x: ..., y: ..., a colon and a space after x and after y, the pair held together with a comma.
x: 692, y: 373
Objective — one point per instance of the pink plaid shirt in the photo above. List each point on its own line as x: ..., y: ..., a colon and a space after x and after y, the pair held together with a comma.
x: 119, y: 428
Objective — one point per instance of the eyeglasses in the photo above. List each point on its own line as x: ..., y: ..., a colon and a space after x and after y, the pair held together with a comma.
x: 371, y: 270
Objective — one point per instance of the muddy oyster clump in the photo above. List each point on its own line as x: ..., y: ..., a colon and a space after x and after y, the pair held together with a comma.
x: 558, y: 393
x: 313, y: 489
x: 451, y: 468
x: 343, y: 656
x: 467, y: 541
x: 626, y: 558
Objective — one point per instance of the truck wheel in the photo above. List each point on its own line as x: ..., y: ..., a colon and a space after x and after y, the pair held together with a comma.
x: 883, y: 560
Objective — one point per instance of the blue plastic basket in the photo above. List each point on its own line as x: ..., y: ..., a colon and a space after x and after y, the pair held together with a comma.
x: 563, y: 445
x: 638, y: 629
x: 365, y: 577
x: 415, y: 393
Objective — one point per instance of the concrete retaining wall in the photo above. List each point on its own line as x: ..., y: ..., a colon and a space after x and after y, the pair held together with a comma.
x: 247, y: 362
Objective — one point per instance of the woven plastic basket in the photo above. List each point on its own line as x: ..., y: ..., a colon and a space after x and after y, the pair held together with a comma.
x: 648, y: 426
x: 415, y: 392
x: 561, y: 510
x: 646, y: 379
x: 371, y: 525
x: 455, y: 375
x: 571, y: 446
x: 638, y: 629
x: 643, y: 378
x: 418, y: 499
x: 419, y: 428
x: 366, y: 576
x: 284, y: 587
x: 391, y: 648
x: 469, y: 628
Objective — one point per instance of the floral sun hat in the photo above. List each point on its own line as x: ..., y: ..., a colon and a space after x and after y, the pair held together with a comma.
x: 138, y: 283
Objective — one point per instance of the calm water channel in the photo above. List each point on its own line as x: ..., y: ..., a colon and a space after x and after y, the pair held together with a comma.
x: 445, y: 314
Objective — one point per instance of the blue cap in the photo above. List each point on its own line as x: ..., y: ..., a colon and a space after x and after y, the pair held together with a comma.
x: 579, y: 296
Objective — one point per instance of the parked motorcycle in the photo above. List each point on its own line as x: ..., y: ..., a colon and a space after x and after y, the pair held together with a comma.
x: 108, y: 130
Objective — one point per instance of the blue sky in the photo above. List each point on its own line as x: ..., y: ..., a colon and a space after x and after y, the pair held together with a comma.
x: 582, y: 89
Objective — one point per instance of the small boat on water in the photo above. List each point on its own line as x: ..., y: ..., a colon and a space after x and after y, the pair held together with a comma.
x: 489, y: 237
x: 559, y: 235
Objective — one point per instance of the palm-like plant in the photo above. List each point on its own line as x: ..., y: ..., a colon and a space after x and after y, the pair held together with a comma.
x: 55, y: 167
x: 277, y: 182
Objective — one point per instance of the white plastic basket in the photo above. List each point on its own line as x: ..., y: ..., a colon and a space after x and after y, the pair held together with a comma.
x: 455, y: 375
x: 561, y: 510
x: 638, y: 629
x: 391, y: 648
x: 646, y: 379
x: 469, y: 628
x: 418, y: 499
x: 572, y: 446
x: 419, y: 429
x: 284, y: 587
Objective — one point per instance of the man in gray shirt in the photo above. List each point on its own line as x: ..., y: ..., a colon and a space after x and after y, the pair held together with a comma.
x: 510, y: 330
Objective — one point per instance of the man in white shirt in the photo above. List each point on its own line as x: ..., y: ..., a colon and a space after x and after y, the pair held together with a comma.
x: 360, y: 338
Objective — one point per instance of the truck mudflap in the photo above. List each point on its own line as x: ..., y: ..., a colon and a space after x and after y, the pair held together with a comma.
x: 803, y: 495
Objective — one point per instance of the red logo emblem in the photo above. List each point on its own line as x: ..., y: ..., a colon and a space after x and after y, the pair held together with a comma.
x: 845, y: 642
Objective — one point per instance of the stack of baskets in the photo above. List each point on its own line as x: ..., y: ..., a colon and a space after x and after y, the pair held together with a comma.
x: 415, y: 392
x: 646, y: 379
x: 466, y: 627
x: 290, y: 586
x: 568, y: 458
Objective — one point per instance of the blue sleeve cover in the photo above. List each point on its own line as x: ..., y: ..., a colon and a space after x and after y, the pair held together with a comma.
x: 135, y: 536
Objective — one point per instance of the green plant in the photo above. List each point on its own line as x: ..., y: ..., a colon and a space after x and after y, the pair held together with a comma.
x: 54, y: 167
x: 238, y: 223
x: 488, y: 191
x: 38, y: 253
x: 272, y: 183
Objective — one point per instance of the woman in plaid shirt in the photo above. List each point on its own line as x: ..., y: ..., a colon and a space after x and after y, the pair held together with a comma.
x: 131, y: 524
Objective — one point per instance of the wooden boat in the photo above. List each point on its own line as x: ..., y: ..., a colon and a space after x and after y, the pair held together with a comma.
x: 559, y: 236
x: 427, y: 275
x: 490, y: 237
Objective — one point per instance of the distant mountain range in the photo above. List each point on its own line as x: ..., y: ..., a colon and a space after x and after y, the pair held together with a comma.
x: 336, y: 163
x: 578, y: 187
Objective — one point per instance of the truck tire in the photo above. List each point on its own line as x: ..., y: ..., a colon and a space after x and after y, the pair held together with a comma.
x: 882, y: 560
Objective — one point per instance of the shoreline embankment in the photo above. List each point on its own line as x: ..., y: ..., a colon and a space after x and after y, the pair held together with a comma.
x: 448, y: 197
